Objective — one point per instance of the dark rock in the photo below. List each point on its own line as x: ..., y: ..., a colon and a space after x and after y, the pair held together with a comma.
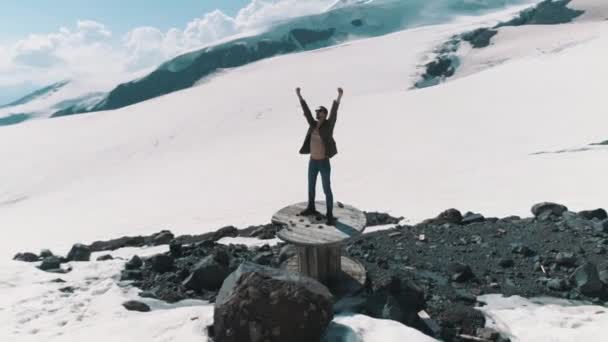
x: 162, y: 238
x: 134, y: 305
x: 26, y: 257
x: 587, y: 281
x: 176, y: 250
x: 134, y: 263
x: 506, y: 263
x: 50, y: 263
x: 470, y: 217
x: 548, y: 208
x: 114, y: 244
x: 480, y: 37
x: 357, y: 22
x: 460, y: 272
x: 79, y: 252
x: 45, y: 253
x: 547, y: 12
x: 449, y: 216
x: 161, y: 263
x: 265, y: 232
x: 258, y: 303
x: 67, y: 289
x: 598, y: 214
x: 105, y: 257
x: 460, y: 319
x: 208, y: 274
x: 380, y: 219
x: 604, y: 277
x: 287, y: 252
x: 58, y: 280
x: 565, y: 259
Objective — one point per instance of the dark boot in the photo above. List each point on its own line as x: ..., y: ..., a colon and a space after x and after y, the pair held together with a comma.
x: 330, y: 220
x: 309, y: 211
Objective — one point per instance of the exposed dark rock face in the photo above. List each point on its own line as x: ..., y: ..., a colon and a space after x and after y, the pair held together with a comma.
x: 546, y: 209
x: 134, y: 305
x: 548, y: 12
x: 587, y: 280
x: 264, y: 304
x: 480, y: 37
x: 599, y: 214
x: 445, y: 63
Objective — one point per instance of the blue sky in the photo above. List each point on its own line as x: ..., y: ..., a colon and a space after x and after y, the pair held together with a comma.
x: 22, y: 17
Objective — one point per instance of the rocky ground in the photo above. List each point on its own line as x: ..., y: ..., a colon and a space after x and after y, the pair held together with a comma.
x: 427, y: 276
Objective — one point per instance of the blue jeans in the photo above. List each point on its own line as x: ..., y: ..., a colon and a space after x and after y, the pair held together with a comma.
x: 314, y: 168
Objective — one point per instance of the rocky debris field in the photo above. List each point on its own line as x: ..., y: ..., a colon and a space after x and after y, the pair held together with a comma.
x: 427, y: 276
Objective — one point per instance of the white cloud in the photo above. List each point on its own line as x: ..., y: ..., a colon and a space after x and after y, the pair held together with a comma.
x: 89, y: 50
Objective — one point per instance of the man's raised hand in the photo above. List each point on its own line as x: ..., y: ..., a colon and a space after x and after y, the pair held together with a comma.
x: 340, y: 93
x: 298, y: 92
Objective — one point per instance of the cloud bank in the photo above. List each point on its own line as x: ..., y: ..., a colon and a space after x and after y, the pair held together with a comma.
x: 91, y: 50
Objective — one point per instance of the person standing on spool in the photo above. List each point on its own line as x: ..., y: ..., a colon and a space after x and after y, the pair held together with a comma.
x: 321, y: 146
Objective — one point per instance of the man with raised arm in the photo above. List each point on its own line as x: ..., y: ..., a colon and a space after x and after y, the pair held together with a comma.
x: 321, y: 146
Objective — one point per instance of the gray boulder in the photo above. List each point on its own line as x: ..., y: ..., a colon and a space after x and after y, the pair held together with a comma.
x: 45, y: 253
x: 161, y: 263
x: 208, y: 274
x: 50, y: 263
x: 258, y: 303
x: 134, y: 263
x: 79, y: 252
x: 547, y: 209
x: 587, y: 281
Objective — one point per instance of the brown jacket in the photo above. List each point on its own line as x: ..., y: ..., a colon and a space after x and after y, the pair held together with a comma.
x: 326, y: 130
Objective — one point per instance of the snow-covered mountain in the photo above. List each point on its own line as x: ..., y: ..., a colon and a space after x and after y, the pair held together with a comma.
x: 225, y: 153
x: 343, y: 21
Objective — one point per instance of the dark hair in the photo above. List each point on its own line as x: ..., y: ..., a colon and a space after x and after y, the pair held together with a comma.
x: 321, y: 109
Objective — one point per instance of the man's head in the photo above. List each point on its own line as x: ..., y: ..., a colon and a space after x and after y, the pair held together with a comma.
x: 321, y: 113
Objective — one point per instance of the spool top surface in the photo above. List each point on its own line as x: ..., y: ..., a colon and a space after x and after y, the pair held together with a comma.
x: 312, y: 231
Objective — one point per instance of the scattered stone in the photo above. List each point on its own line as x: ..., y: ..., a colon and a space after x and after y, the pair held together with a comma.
x: 105, y: 257
x: 460, y: 319
x: 380, y: 219
x: 134, y: 305
x: 488, y: 334
x: 26, y: 257
x: 295, y: 308
x: 587, y: 281
x: 134, y: 263
x: 597, y: 214
x: 58, y: 280
x: 131, y: 275
x: 264, y: 258
x: 548, y: 208
x: 79, y: 252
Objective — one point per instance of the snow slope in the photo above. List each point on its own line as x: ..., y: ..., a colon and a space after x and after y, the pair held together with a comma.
x: 225, y: 152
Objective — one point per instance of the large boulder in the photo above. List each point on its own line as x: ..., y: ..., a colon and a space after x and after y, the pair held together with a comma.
x: 545, y: 210
x: 588, y: 282
x: 258, y: 303
x: 208, y: 274
x: 162, y: 238
x: 134, y: 263
x: 50, y: 263
x: 134, y: 305
x: 452, y: 216
x: 599, y: 214
x: 79, y: 252
x: 161, y: 263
